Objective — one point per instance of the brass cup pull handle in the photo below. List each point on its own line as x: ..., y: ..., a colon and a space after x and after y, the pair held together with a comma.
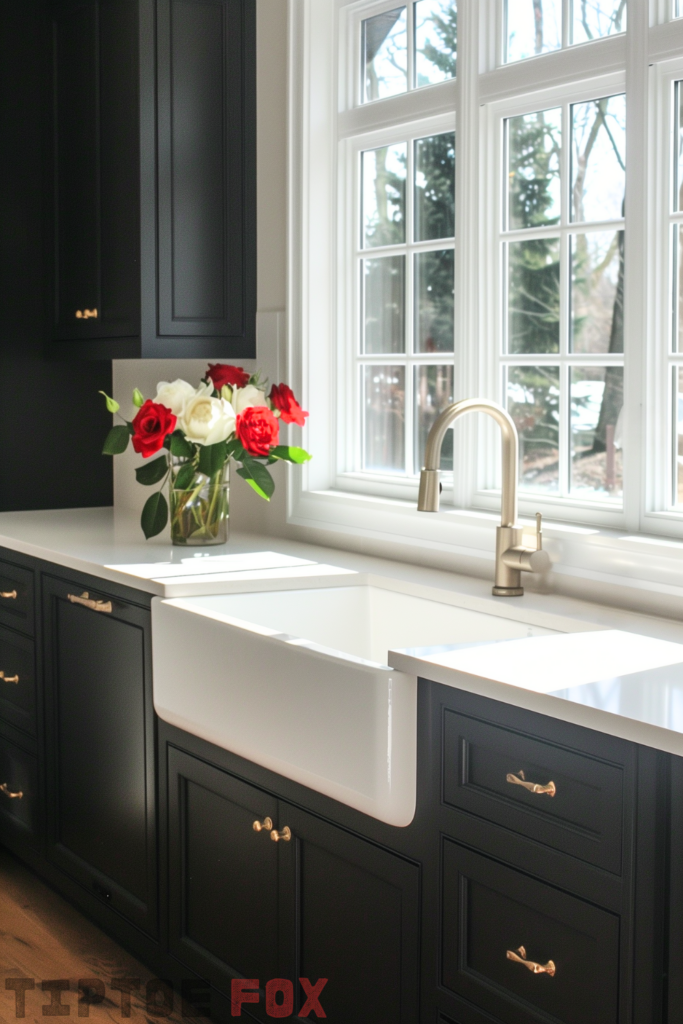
x: 263, y: 826
x: 9, y: 595
x: 8, y: 679
x: 86, y: 314
x: 533, y: 787
x: 4, y: 788
x: 88, y: 602
x: 285, y: 835
x: 519, y: 957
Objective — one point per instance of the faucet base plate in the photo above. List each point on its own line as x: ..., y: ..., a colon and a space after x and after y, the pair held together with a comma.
x: 507, y: 591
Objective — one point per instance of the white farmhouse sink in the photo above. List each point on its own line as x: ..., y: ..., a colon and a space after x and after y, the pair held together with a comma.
x: 298, y: 680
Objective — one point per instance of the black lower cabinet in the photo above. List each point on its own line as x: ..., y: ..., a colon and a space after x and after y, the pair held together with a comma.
x: 320, y: 903
x: 101, y: 747
x: 523, y: 950
x: 19, y: 794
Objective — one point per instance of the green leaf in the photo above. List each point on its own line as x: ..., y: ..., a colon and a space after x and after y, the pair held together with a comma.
x: 138, y: 398
x: 116, y: 440
x: 154, y: 515
x: 234, y: 449
x: 112, y: 405
x: 258, y: 477
x: 184, y: 477
x: 181, y: 447
x: 152, y: 472
x: 212, y: 458
x: 282, y: 451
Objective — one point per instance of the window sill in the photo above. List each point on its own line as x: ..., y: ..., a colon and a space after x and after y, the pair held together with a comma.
x: 638, y: 571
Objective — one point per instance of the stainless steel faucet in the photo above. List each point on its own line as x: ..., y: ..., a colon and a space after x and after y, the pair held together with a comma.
x: 513, y: 557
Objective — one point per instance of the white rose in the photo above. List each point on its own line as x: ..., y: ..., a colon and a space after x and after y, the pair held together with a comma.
x: 175, y: 395
x: 207, y: 420
x: 242, y: 398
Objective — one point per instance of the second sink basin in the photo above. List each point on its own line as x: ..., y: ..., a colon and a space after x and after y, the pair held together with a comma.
x: 298, y: 680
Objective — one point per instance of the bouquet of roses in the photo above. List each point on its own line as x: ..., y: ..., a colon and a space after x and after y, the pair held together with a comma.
x: 199, y: 430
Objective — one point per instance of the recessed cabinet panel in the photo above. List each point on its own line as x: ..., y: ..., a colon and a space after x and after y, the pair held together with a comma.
x: 18, y: 791
x: 16, y: 597
x: 498, y: 923
x: 223, y: 874
x: 576, y: 807
x: 17, y: 681
x: 96, y: 138
x: 357, y: 913
x: 101, y: 729
x: 199, y: 153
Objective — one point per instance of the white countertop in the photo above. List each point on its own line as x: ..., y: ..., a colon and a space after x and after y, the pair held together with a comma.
x: 637, y: 693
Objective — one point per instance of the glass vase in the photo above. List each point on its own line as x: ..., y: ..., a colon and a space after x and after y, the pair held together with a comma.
x: 199, y: 511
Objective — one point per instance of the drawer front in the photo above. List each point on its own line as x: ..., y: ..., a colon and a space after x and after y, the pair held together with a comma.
x: 16, y: 597
x: 18, y: 788
x: 17, y: 681
x: 577, y: 807
x: 495, y: 918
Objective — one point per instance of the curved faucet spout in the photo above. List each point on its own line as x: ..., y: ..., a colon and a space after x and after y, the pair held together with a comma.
x: 428, y: 500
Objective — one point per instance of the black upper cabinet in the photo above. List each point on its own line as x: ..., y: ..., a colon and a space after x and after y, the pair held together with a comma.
x: 154, y: 178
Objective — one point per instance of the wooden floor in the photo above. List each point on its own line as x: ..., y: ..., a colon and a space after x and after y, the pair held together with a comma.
x: 43, y: 938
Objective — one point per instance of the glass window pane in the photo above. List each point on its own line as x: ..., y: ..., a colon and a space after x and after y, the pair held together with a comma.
x: 598, y: 159
x: 677, y: 283
x: 533, y: 313
x: 596, y: 400
x: 433, y: 392
x: 533, y: 401
x: 384, y: 393
x: 385, y: 54
x: 678, y: 436
x: 434, y: 301
x: 533, y: 144
x: 592, y: 19
x: 678, y: 149
x: 435, y: 187
x: 384, y: 304
x: 597, y: 304
x: 436, y: 35
x: 384, y: 195
x: 532, y: 27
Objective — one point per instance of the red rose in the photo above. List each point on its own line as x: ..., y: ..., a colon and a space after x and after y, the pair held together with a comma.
x: 151, y: 425
x: 283, y: 399
x: 220, y: 374
x: 257, y: 429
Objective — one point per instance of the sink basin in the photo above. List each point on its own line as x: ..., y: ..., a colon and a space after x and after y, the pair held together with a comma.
x: 298, y: 680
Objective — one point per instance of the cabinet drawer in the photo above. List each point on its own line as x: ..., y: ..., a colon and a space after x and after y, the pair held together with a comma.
x: 583, y: 817
x: 16, y: 597
x: 18, y: 788
x: 490, y: 911
x: 17, y: 681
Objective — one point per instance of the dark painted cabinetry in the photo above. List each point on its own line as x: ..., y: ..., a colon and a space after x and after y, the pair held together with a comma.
x: 539, y: 883
x: 154, y: 166
x: 319, y: 903
x: 101, y: 746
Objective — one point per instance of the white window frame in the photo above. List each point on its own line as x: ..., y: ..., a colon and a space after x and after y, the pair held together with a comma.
x: 602, y: 544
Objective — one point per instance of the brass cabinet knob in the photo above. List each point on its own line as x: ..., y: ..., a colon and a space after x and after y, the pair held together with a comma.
x: 4, y: 788
x: 534, y: 787
x: 8, y: 679
x: 263, y: 826
x: 285, y: 835
x: 9, y: 595
x: 519, y: 956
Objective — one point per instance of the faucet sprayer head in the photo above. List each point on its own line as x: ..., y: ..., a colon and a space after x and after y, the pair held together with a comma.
x: 430, y: 489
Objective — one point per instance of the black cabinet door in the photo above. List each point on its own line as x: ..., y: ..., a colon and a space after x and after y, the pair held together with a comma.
x: 354, y: 911
x: 100, y: 746
x: 96, y: 168
x: 223, y: 875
